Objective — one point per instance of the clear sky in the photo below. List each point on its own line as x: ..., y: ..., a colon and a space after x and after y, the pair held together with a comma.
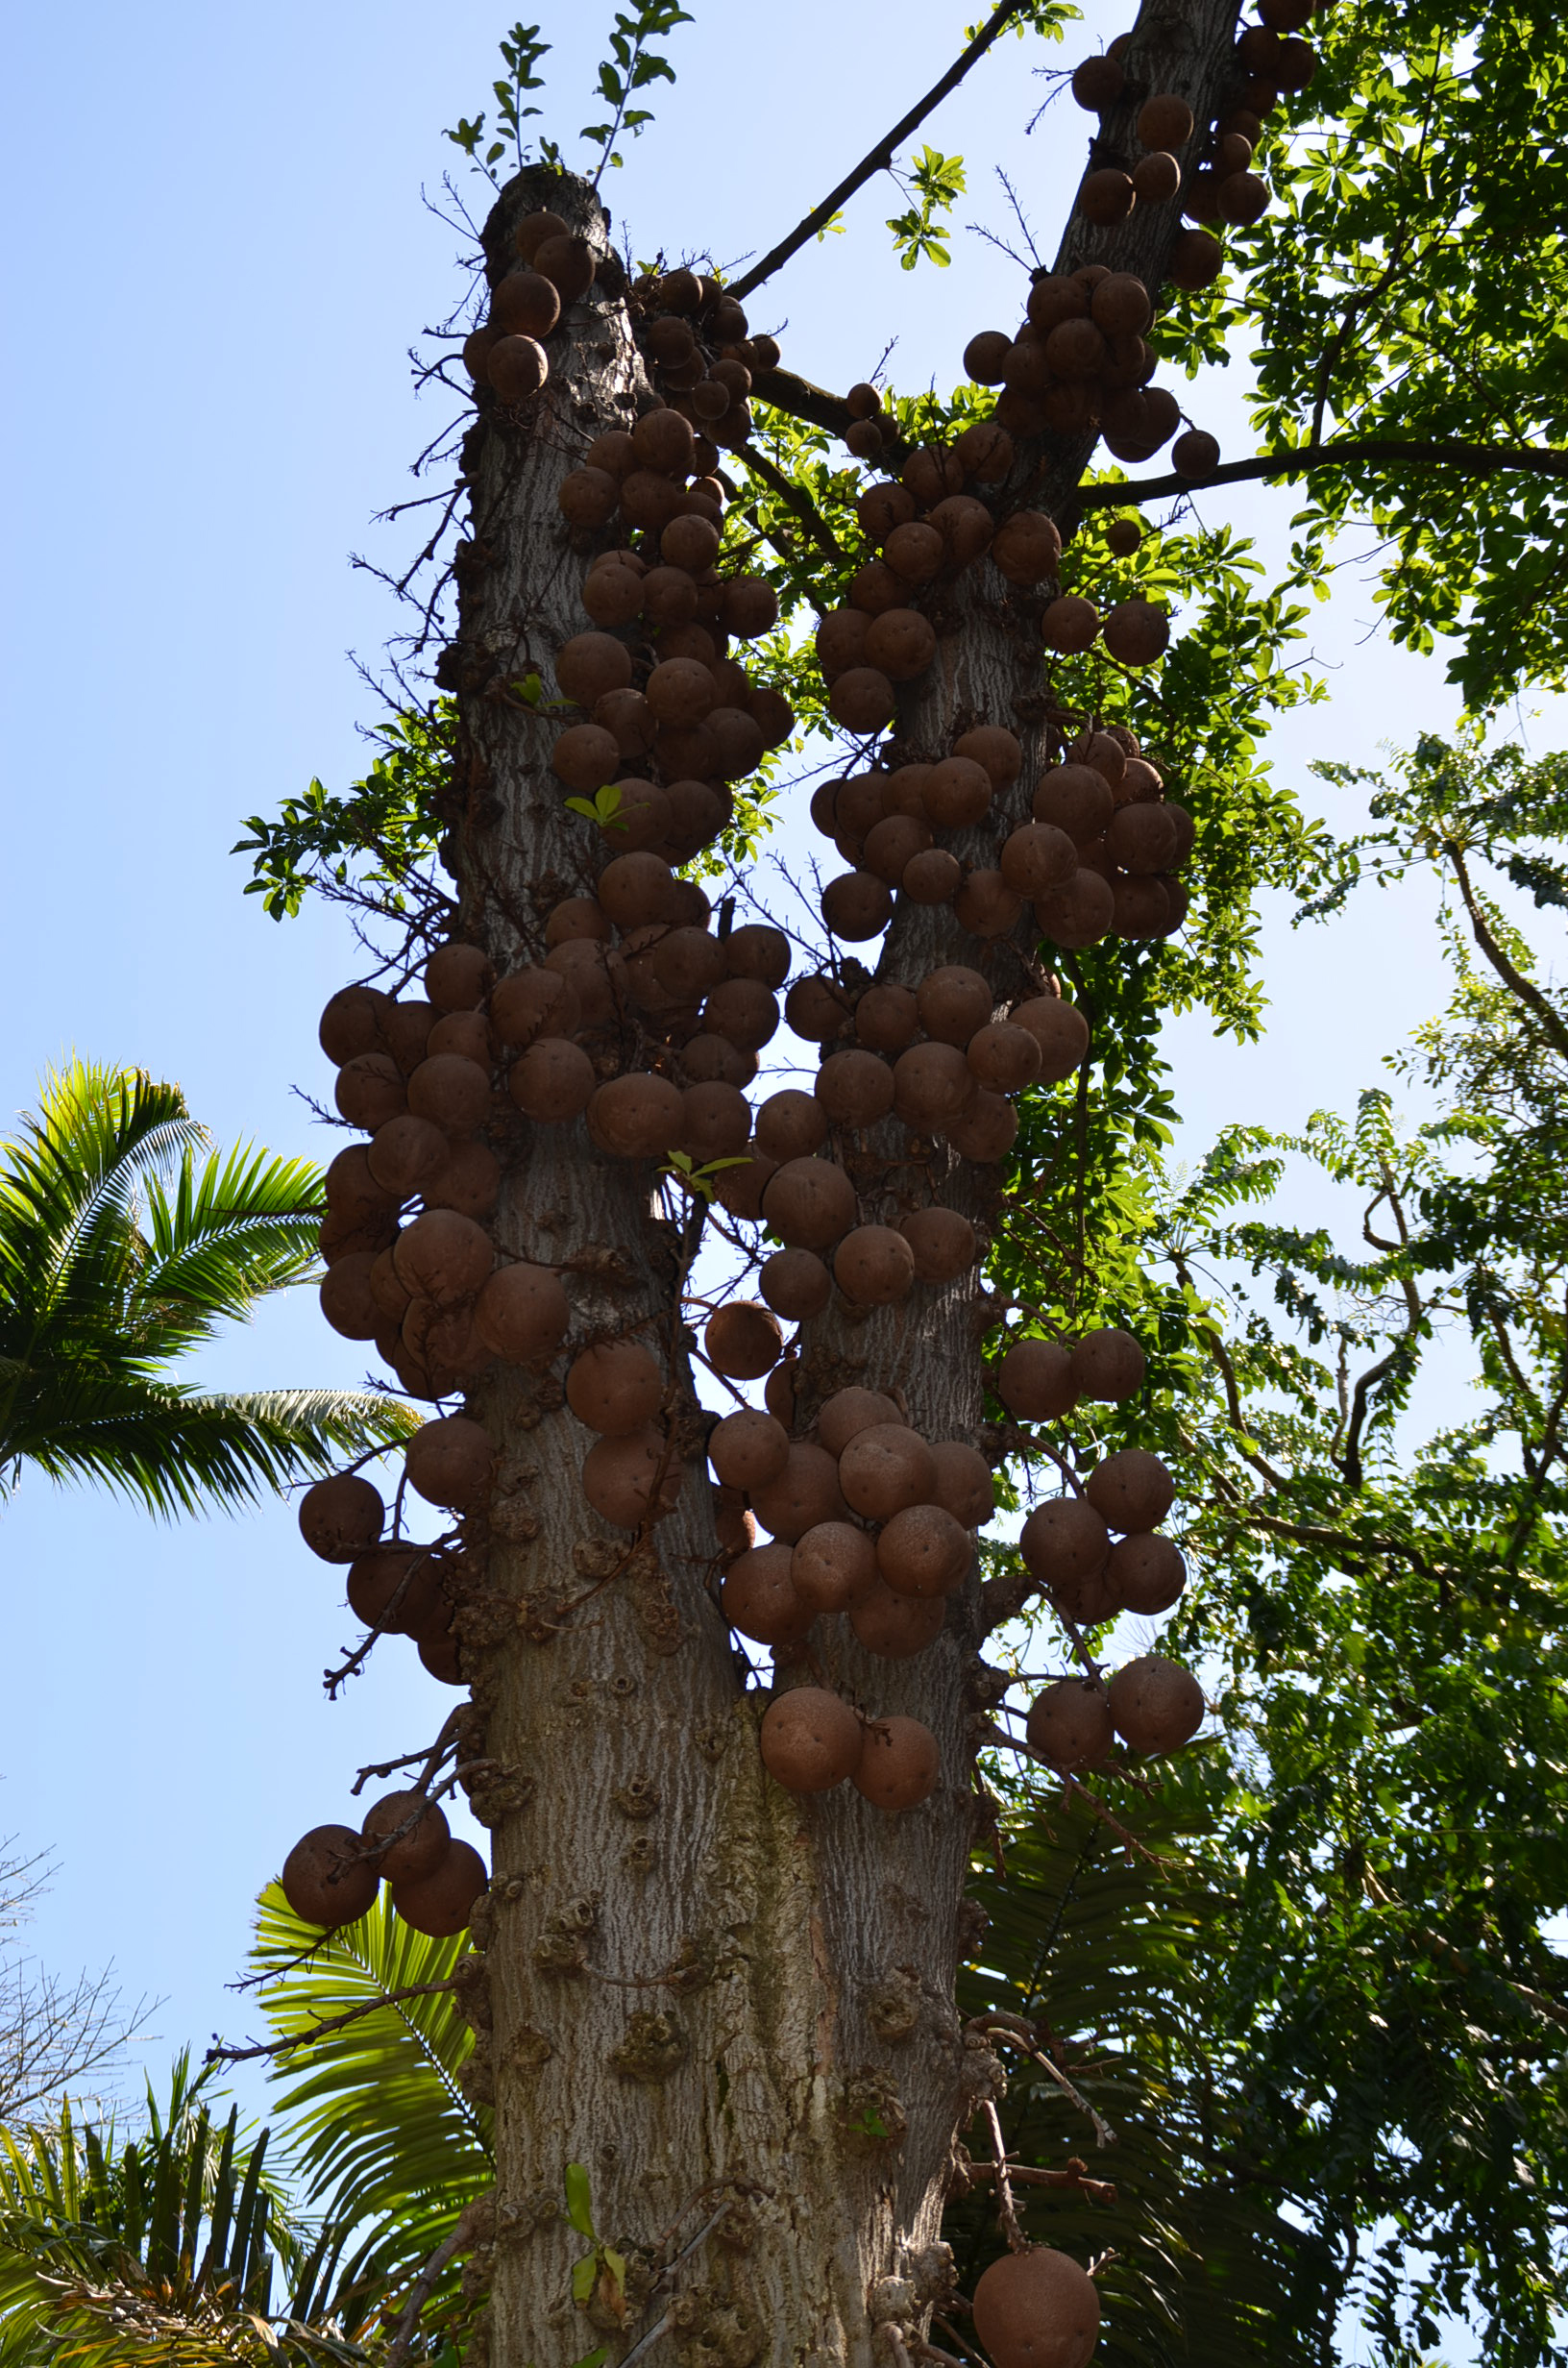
x: 217, y: 257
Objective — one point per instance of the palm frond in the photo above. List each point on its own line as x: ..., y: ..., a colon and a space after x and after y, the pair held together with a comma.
x: 1087, y: 1940
x: 380, y: 2127
x: 67, y: 1183
x: 242, y: 1225
x: 175, y: 1450
x: 167, y: 2247
x: 124, y: 1245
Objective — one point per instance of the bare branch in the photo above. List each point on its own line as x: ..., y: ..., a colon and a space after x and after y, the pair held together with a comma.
x: 881, y: 157
x: 1479, y: 459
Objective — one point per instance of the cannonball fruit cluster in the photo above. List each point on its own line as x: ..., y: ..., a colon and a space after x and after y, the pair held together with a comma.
x: 333, y: 1873
x: 1209, y: 169
x: 697, y: 351
x: 1095, y: 850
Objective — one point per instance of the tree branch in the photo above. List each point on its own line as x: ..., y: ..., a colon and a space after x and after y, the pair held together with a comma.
x: 881, y: 157
x: 1535, y: 461
x: 800, y: 503
x: 333, y: 2022
x: 1514, y: 979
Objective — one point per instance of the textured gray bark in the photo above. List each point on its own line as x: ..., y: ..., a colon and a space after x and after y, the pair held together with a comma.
x: 692, y: 1978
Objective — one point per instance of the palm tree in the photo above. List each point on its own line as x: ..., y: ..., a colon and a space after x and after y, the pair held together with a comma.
x: 183, y: 2246
x: 125, y: 1242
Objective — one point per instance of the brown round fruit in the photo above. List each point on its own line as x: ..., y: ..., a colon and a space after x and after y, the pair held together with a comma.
x: 440, y: 1903
x: 1131, y: 1489
x: 1108, y: 1365
x: 1034, y: 1380
x: 806, y: 1493
x: 521, y: 1314
x: 619, y: 1477
x: 896, y: 1626
x: 444, y: 1256
x: 885, y: 1468
x: 1065, y: 1540
x: 809, y: 1203
x: 758, y: 1598
x: 899, y: 1763
x: 795, y: 1284
x: 1038, y: 2309
x: 833, y: 1565
x: 326, y: 1879
x: 747, y: 1449
x: 943, y: 1243
x: 933, y: 1086
x: 1148, y: 1573
x: 923, y: 1551
x: 849, y: 1412
x: 811, y: 1740
x: 744, y: 1341
x: 857, y: 907
x: 517, y: 367
x: 448, y: 1461
x: 554, y: 1081
x: 790, y: 1125
x: 874, y: 1266
x: 1157, y: 1705
x: 1060, y: 1031
x: 953, y: 1002
x: 341, y: 1518
x: 965, y: 1487
x: 415, y: 1853
x: 1070, y: 1724
x: 636, y: 1117
x: 615, y: 1388
x: 957, y: 792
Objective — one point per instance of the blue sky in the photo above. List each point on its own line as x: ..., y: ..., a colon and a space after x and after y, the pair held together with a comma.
x: 218, y: 257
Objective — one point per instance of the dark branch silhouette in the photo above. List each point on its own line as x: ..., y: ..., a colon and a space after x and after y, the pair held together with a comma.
x: 878, y: 161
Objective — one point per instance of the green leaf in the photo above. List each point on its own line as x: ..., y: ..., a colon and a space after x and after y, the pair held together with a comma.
x: 579, y: 2200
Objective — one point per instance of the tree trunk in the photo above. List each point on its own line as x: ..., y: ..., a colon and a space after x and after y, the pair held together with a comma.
x: 732, y: 2006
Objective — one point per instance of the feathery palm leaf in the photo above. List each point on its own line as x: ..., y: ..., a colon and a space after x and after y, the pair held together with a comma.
x: 167, y: 2247
x: 1085, y: 1939
x: 380, y: 2127
x: 122, y: 1251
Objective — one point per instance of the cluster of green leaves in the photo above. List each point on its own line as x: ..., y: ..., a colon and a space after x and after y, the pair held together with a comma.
x: 1088, y: 1939
x: 176, y: 2245
x: 522, y: 49
x: 1381, y: 1618
x: 631, y: 67
x: 378, y: 841
x: 936, y: 183
x: 1408, y: 281
x: 125, y: 1243
x: 379, y: 2130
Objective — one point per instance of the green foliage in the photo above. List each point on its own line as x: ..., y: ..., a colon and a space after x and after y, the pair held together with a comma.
x: 631, y: 67
x: 378, y: 841
x: 522, y: 49
x: 1408, y: 281
x: 938, y: 185
x: 175, y: 2246
x: 1085, y: 1937
x: 1379, y: 1614
x: 122, y: 1251
x: 380, y: 2131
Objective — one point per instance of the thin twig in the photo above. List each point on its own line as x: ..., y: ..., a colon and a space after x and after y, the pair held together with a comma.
x: 881, y: 157
x: 1007, y: 2211
x: 463, y: 2235
x: 333, y: 2022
